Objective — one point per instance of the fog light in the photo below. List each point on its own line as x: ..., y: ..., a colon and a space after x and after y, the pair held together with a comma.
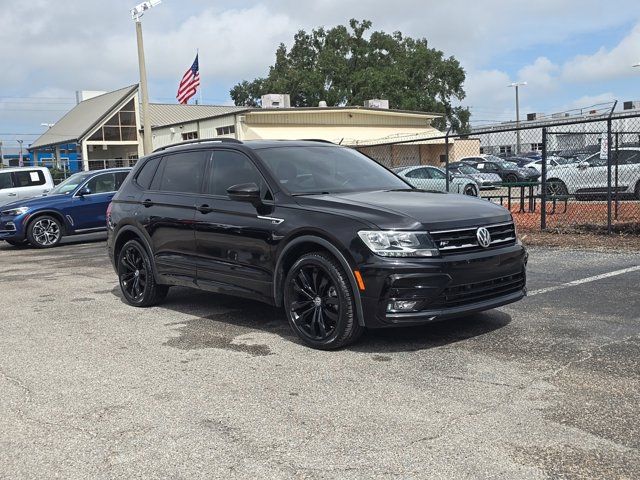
x: 401, y: 305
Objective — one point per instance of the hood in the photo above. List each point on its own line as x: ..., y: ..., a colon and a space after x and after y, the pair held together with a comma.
x: 410, y: 209
x: 42, y: 201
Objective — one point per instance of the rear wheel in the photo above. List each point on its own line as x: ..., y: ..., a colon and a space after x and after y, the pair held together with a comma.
x: 319, y: 303
x: 556, y: 188
x: 135, y: 274
x: 470, y: 190
x: 44, y: 232
x: 511, y: 178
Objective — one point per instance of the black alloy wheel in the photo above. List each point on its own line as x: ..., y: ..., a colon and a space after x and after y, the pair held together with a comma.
x: 319, y: 302
x: 136, y: 278
x: 556, y: 188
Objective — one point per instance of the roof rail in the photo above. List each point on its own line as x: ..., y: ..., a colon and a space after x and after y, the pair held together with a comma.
x: 196, y: 141
x: 317, y: 140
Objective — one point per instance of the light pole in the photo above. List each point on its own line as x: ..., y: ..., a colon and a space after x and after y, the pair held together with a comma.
x: 517, y: 85
x: 20, y: 159
x: 136, y: 14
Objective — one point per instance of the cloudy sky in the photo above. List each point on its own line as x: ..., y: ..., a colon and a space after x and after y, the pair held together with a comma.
x: 572, y: 53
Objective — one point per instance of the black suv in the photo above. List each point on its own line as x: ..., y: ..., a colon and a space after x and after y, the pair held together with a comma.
x: 337, y: 239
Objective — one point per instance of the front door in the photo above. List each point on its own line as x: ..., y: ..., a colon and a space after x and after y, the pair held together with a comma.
x: 88, y: 209
x: 234, y: 240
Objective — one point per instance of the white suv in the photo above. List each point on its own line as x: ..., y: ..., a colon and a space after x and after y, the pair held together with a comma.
x: 589, y: 177
x: 24, y: 182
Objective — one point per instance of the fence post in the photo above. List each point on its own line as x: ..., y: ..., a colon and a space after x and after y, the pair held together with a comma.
x: 543, y: 182
x: 609, y: 175
x: 615, y: 216
x: 446, y: 159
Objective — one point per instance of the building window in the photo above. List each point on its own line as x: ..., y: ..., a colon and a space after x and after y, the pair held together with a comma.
x: 506, y: 149
x: 229, y: 130
x: 536, y: 147
x: 190, y: 136
x: 482, y: 150
x: 121, y: 127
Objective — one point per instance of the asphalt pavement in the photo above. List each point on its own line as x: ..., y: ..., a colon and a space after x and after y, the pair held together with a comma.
x: 207, y: 386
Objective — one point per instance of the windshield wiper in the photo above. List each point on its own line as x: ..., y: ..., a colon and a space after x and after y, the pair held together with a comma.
x: 309, y: 193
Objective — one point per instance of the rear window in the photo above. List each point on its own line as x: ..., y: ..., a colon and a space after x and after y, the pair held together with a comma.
x: 181, y: 173
x: 29, y: 178
x: 5, y: 180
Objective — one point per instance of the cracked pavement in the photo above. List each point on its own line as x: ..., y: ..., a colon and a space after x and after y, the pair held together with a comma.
x: 207, y: 386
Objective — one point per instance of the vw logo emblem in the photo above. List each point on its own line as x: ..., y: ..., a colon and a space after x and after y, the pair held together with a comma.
x: 484, y: 237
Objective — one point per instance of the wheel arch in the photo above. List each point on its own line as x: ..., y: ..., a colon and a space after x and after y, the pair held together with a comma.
x: 50, y: 213
x: 130, y: 232
x: 307, y: 243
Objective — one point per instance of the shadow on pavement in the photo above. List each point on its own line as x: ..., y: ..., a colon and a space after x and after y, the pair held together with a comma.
x: 220, y: 318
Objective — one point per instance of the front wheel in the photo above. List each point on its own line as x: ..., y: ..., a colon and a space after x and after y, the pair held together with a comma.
x: 135, y: 274
x: 511, y: 178
x: 556, y: 188
x: 470, y: 190
x: 319, y: 303
x: 44, y: 232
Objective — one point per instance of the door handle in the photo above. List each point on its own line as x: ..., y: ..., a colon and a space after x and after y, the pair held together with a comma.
x: 12, y: 194
x: 147, y: 203
x: 204, y: 209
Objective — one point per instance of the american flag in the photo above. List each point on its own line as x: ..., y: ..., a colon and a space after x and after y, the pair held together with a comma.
x: 189, y: 83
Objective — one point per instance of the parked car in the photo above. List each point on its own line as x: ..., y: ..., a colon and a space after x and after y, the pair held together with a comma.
x: 508, y: 171
x: 552, y: 161
x: 484, y: 180
x: 78, y: 205
x: 433, y: 178
x: 590, y: 177
x: 23, y: 182
x: 322, y: 230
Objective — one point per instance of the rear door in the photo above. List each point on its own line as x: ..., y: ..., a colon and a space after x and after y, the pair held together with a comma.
x: 30, y: 183
x: 234, y: 240
x: 167, y: 212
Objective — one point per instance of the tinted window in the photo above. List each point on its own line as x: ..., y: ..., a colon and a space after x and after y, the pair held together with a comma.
x: 232, y: 168
x: 145, y: 176
x: 628, y: 156
x: 104, y: 183
x: 29, y: 178
x: 319, y: 169
x: 435, y: 173
x: 421, y: 173
x: 5, y: 180
x: 182, y: 172
x: 120, y: 178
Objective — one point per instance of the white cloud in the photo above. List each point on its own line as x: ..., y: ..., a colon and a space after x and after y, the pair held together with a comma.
x: 540, y: 75
x: 606, y: 64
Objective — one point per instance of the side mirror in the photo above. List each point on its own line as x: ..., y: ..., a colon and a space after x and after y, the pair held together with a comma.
x: 84, y: 191
x: 245, y: 192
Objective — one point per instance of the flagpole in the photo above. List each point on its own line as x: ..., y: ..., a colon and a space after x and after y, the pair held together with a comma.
x: 199, y: 70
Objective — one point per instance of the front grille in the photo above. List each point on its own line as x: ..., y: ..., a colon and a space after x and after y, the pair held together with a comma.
x: 464, y: 240
x: 481, y: 291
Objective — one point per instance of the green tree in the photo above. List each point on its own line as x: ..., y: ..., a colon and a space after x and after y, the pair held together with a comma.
x: 343, y: 66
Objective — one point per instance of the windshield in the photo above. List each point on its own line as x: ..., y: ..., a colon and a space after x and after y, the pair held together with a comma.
x: 70, y: 184
x: 492, y: 158
x: 507, y: 165
x: 321, y: 169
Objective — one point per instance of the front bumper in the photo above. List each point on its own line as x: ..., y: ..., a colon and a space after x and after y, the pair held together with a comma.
x: 11, y: 228
x: 445, y: 287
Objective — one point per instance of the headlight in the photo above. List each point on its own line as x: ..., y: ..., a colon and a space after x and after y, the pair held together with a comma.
x: 388, y: 243
x: 14, y: 212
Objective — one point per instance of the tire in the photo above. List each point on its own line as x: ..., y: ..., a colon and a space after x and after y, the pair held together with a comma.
x: 136, y: 279
x: 44, y: 232
x: 556, y: 188
x: 17, y: 243
x: 319, y: 303
x: 470, y: 190
x: 637, y: 191
x: 511, y: 178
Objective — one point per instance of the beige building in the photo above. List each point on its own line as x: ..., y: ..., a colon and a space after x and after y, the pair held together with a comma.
x: 108, y: 130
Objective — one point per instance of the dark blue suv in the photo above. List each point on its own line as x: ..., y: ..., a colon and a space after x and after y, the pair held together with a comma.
x: 78, y: 205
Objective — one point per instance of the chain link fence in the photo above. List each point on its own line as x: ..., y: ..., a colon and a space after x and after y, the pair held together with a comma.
x: 565, y: 175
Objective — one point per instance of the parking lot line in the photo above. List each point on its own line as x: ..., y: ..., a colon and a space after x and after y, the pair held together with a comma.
x: 584, y: 280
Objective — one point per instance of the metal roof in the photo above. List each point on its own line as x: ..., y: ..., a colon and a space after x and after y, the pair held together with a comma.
x: 83, y: 118
x: 164, y: 115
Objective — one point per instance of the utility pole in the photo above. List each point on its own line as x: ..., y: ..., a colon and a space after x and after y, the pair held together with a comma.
x: 516, y: 85
x: 136, y: 14
x: 20, y: 159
